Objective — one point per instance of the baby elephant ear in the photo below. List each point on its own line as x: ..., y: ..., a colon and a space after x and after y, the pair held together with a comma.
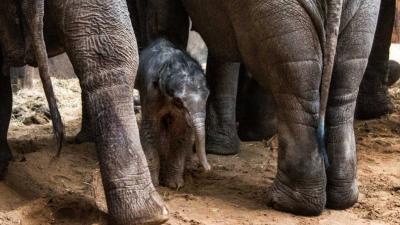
x: 159, y: 80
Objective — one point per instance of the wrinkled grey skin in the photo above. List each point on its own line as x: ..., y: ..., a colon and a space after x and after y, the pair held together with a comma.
x: 147, y: 28
x: 374, y: 100
x: 173, y: 95
x: 283, y: 45
x: 381, y: 73
x: 98, y: 37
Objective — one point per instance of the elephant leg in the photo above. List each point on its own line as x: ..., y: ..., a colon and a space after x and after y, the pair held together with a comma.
x: 299, y: 185
x: 255, y: 109
x: 150, y: 136
x: 86, y: 132
x: 5, y: 117
x: 373, y: 98
x: 350, y: 64
x: 289, y: 63
x: 173, y: 165
x: 222, y: 79
x: 100, y: 42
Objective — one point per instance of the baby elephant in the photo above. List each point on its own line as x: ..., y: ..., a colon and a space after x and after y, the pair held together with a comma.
x: 173, y: 95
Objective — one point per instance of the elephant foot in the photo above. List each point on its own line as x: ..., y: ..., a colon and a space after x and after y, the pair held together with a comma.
x: 343, y: 196
x: 174, y: 182
x: 373, y: 105
x: 142, y: 209
x: 222, y: 145
x: 171, y: 176
x: 306, y: 202
x: 5, y: 158
x: 84, y: 136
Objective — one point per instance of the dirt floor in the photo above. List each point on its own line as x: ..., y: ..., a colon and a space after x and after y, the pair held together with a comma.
x: 42, y: 190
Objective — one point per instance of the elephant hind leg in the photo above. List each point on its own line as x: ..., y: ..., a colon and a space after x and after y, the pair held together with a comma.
x: 222, y: 137
x: 353, y: 49
x: 5, y: 117
x: 299, y: 186
x: 255, y: 110
x: 373, y: 99
x: 287, y: 49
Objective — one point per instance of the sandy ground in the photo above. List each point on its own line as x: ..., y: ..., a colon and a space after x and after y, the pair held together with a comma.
x: 42, y: 190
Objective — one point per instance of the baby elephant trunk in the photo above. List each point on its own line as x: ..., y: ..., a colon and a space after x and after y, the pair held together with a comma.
x: 200, y: 140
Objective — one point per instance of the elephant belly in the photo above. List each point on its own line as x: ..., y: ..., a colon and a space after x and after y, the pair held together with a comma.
x: 214, y: 25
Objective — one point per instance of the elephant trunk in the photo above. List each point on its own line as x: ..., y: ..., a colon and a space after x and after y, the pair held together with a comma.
x: 332, y: 33
x: 200, y: 141
x: 33, y: 11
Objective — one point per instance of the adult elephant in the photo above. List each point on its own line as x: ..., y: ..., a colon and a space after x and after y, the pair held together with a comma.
x: 373, y: 101
x: 147, y: 27
x: 98, y: 37
x: 288, y: 46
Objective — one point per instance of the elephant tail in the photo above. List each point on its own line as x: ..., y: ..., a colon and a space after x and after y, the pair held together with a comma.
x: 33, y: 11
x: 334, y: 11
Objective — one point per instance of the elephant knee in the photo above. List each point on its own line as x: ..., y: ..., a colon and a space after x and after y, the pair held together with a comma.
x: 298, y: 109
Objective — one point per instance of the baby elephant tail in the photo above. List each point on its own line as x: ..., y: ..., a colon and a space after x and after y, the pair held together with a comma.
x: 33, y: 11
x: 332, y: 32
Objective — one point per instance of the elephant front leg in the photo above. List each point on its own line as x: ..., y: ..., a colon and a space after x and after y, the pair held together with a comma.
x: 100, y: 42
x: 373, y: 99
x: 352, y: 53
x: 173, y: 164
x: 150, y: 137
x: 86, y: 132
x: 131, y: 196
x: 255, y: 109
x: 5, y: 117
x: 222, y: 79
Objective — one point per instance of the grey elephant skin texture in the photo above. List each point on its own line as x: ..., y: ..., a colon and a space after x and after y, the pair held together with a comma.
x: 147, y: 28
x: 173, y: 94
x: 99, y: 39
x: 284, y: 44
x: 255, y: 108
x: 373, y: 99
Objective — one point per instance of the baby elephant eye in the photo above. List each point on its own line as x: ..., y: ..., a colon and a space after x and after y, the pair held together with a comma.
x: 177, y: 102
